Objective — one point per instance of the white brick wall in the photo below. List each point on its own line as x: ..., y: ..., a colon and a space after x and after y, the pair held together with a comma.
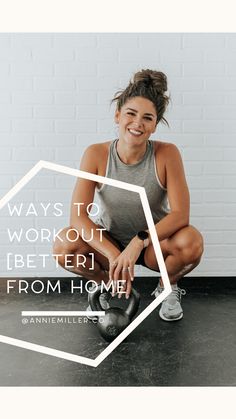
x: 55, y: 91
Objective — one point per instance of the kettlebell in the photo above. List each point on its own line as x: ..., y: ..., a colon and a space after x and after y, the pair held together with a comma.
x: 116, y: 319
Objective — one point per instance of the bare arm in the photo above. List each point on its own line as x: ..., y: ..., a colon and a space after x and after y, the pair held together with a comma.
x: 84, y: 194
x: 178, y: 194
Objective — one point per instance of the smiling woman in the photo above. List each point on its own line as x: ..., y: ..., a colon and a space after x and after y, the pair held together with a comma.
x: 155, y: 165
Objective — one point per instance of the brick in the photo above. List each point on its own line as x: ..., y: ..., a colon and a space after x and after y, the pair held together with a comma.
x: 230, y: 182
x: 196, y: 196
x: 15, y: 111
x: 12, y: 139
x: 75, y: 69
x: 62, y: 195
x: 220, y: 140
x: 15, y: 54
x: 4, y: 69
x: 224, y: 168
x: 12, y: 83
x: 5, y: 97
x: 229, y: 126
x: 164, y: 41
x: 32, y: 69
x: 185, y: 55
x: 124, y: 69
x: 184, y: 112
x: 56, y: 140
x: 137, y: 55
x: 75, y: 40
x: 203, y: 126
x: 193, y: 168
x: 230, y: 209
x: 54, y: 83
x: 33, y: 154
x: 189, y: 140
x: 5, y: 125
x: 68, y: 153
x: 53, y: 54
x: 203, y: 40
x: 221, y: 84
x: 203, y: 98
x: 224, y: 196
x: 31, y: 40
x: 209, y: 69
x: 185, y: 84
x: 5, y: 154
x: 42, y: 98
x: 98, y: 83
x: 85, y: 111
x: 170, y: 69
x: 220, y: 223
x: 34, y: 126
x: 213, y: 237
x: 54, y: 111
x: 205, y: 182
x: 115, y: 40
x: 195, y: 153
x: 81, y: 125
x: 231, y: 41
x: 96, y: 55
x: 230, y: 154
x: 5, y: 182
x: 224, y: 55
x: 231, y: 69
x: 230, y: 98
x: 229, y: 237
x: 219, y: 112
x: 75, y: 98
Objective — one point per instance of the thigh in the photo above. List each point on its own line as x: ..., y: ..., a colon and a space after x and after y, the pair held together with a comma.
x: 71, y: 243
x: 186, y: 238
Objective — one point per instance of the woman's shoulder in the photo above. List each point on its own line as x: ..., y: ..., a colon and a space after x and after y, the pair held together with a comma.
x: 98, y: 147
x: 95, y: 155
x: 164, y: 147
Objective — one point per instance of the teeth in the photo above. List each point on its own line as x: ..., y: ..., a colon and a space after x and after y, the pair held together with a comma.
x: 135, y: 132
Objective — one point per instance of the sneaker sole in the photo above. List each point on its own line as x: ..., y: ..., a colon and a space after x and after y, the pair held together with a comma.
x: 170, y: 320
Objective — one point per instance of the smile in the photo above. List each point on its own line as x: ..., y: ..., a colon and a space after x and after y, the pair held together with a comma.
x: 135, y: 132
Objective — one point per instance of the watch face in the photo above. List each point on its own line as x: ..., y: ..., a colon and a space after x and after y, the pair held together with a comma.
x: 143, y: 235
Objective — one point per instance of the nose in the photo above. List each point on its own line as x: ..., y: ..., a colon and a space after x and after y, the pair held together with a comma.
x: 137, y: 121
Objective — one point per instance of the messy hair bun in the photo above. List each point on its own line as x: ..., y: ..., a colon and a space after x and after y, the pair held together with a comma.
x: 149, y: 84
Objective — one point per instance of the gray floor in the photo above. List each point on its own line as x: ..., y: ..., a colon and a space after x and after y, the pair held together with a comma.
x: 199, y: 350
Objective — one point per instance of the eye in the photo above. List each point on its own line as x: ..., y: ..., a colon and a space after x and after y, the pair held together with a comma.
x: 148, y: 118
x: 131, y: 113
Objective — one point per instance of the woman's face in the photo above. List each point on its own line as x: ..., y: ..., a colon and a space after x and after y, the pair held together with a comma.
x: 137, y: 120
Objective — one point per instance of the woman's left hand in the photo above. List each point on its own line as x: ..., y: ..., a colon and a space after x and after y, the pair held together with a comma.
x: 122, y: 268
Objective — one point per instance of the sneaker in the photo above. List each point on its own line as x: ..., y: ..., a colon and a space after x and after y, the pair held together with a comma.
x: 104, y: 301
x: 171, y: 309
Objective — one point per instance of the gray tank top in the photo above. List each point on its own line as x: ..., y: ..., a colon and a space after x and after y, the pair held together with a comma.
x: 121, y: 211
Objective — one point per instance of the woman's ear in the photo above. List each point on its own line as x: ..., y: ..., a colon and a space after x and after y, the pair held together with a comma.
x: 117, y: 116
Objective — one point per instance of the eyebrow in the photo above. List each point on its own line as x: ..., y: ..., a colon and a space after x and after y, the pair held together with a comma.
x: 146, y: 113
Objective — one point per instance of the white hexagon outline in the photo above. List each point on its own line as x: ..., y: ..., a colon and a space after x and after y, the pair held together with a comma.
x: 42, y: 164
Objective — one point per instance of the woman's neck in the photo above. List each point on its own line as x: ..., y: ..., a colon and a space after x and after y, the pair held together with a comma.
x: 130, y: 154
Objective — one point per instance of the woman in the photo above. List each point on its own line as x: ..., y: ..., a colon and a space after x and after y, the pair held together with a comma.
x: 158, y: 167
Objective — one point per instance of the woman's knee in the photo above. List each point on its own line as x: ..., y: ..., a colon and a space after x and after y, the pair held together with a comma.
x: 190, y: 245
x: 65, y: 245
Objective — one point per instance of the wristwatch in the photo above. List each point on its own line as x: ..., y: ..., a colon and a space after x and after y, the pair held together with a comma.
x: 144, y: 236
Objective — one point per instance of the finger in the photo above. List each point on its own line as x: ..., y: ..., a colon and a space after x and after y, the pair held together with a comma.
x: 125, y: 276
x: 128, y: 289
x: 112, y: 268
x: 121, y: 288
x: 131, y: 272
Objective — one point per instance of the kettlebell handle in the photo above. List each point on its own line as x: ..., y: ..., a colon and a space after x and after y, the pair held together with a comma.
x: 131, y: 310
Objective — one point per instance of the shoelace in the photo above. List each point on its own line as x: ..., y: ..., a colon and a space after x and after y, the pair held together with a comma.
x: 177, y: 292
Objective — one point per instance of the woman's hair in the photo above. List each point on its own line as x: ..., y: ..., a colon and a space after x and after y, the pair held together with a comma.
x: 149, y: 84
